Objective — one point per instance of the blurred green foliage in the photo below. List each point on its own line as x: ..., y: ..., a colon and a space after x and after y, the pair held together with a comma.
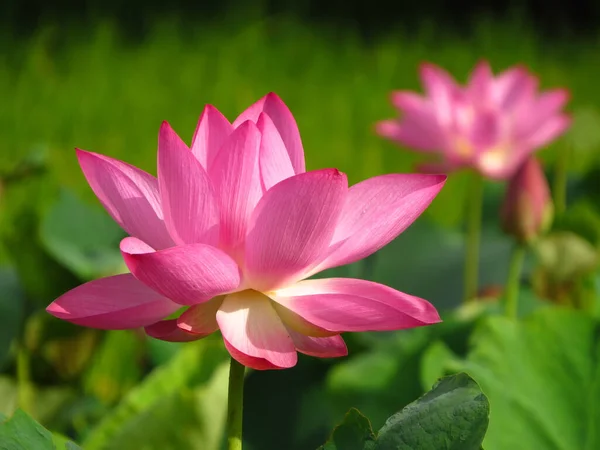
x: 68, y: 86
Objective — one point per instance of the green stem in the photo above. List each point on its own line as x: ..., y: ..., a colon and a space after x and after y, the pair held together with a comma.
x: 24, y: 386
x: 235, y: 403
x: 560, y: 181
x: 474, y: 208
x: 513, y: 281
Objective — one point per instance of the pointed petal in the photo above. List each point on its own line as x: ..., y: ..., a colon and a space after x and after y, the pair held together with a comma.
x: 441, y: 89
x: 202, y: 318
x: 167, y: 330
x: 411, y: 103
x: 418, y: 128
x: 275, y: 163
x: 436, y: 80
x: 283, y: 119
x: 481, y: 83
x: 113, y: 303
x: 292, y: 225
x: 190, y: 209
x: 323, y: 347
x: 411, y: 134
x: 187, y: 274
x: 236, y: 179
x: 377, y: 210
x: 250, y: 325
x: 211, y: 132
x: 341, y: 304
x: 130, y: 196
x: 549, y: 131
x: 546, y: 108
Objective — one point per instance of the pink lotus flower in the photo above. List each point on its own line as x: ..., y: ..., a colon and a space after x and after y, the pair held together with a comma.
x: 492, y: 125
x: 232, y: 229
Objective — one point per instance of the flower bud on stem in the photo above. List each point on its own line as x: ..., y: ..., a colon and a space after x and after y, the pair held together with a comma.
x: 526, y: 214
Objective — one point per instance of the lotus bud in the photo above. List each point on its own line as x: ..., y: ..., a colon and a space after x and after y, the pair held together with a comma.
x: 527, y: 211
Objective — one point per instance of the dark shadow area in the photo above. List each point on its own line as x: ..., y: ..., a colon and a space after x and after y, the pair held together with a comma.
x: 552, y: 18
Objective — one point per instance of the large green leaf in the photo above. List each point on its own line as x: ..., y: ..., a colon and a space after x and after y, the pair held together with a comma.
x: 542, y: 377
x: 180, y: 405
x: 82, y: 238
x: 61, y: 442
x: 21, y: 432
x: 454, y: 415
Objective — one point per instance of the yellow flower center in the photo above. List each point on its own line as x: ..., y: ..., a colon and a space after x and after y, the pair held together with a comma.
x: 493, y: 159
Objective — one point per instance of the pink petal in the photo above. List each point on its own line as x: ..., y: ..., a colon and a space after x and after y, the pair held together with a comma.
x: 167, y: 330
x: 324, y: 347
x: 113, y: 303
x: 419, y: 127
x: 408, y: 134
x: 486, y: 130
x: 340, y: 305
x: 546, y: 108
x: 441, y: 89
x: 236, y: 179
x: 292, y: 225
x: 251, y: 326
x: 211, y: 132
x: 436, y: 80
x: 187, y: 274
x: 377, y: 210
x: 283, y: 119
x: 293, y: 322
x: 249, y: 361
x: 275, y: 163
x: 411, y: 103
x: 130, y: 196
x: 191, y: 212
x: 549, y: 131
x: 481, y: 83
x: 202, y: 318
x: 515, y: 88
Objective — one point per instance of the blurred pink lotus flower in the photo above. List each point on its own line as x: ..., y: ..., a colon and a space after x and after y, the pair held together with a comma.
x: 232, y: 228
x: 527, y: 210
x: 491, y: 125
